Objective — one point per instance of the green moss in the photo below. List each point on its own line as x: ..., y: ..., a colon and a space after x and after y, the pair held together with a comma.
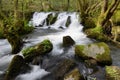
x: 116, y: 17
x: 79, y: 51
x: 44, y: 47
x: 88, y: 23
x: 1, y: 33
x: 105, y: 58
x: 28, y: 51
x: 39, y: 49
x: 98, y: 51
x: 112, y: 73
x: 96, y: 34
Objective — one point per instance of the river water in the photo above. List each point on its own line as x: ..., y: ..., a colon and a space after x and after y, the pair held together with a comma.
x: 54, y: 33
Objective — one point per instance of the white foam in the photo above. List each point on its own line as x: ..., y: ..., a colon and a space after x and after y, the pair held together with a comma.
x: 36, y: 73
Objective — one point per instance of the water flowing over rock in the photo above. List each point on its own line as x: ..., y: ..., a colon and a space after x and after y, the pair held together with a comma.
x: 112, y: 73
x: 51, y: 19
x: 98, y: 51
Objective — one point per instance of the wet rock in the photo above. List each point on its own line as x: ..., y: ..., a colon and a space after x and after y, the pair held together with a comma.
x: 92, y: 65
x: 51, y: 19
x: 74, y: 75
x: 37, y: 50
x: 16, y: 67
x: 112, y: 73
x: 97, y: 51
x: 68, y: 21
x: 63, y: 67
x: 68, y: 41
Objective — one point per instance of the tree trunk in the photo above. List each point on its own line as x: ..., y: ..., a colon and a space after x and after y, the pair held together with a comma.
x: 104, y: 24
x: 12, y: 31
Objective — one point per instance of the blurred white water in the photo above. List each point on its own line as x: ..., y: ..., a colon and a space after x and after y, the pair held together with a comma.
x: 36, y: 73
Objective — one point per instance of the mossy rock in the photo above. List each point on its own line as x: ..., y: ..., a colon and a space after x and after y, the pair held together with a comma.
x: 88, y: 23
x: 16, y: 67
x: 92, y: 33
x: 112, y: 73
x: 40, y: 49
x: 74, y: 75
x: 98, y: 51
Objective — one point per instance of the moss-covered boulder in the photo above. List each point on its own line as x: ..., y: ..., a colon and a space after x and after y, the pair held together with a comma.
x: 74, y: 75
x: 68, y: 41
x: 40, y: 49
x: 16, y: 67
x: 112, y: 73
x: 98, y: 51
x: 62, y: 68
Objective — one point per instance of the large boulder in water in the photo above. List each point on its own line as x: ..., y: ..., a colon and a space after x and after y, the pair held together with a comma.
x: 112, y: 73
x: 16, y: 67
x: 74, y: 75
x: 68, y: 41
x: 37, y: 50
x: 98, y: 51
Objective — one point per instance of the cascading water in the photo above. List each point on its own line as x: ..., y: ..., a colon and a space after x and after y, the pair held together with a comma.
x: 54, y: 33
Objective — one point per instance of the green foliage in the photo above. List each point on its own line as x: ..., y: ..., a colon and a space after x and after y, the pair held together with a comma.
x: 116, y: 18
x: 26, y: 28
x: 112, y: 73
x: 1, y: 33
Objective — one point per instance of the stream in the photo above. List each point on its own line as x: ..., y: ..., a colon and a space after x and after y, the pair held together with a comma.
x: 53, y: 32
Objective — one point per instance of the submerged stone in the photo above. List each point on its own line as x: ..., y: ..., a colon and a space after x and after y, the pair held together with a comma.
x: 98, y: 51
x: 74, y: 75
x: 37, y: 50
x: 112, y: 73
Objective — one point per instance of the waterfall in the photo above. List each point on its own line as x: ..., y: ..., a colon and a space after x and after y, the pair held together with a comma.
x: 74, y: 30
x: 53, y: 32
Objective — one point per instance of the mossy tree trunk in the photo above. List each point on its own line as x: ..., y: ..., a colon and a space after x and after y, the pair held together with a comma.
x: 11, y: 31
x: 104, y: 24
